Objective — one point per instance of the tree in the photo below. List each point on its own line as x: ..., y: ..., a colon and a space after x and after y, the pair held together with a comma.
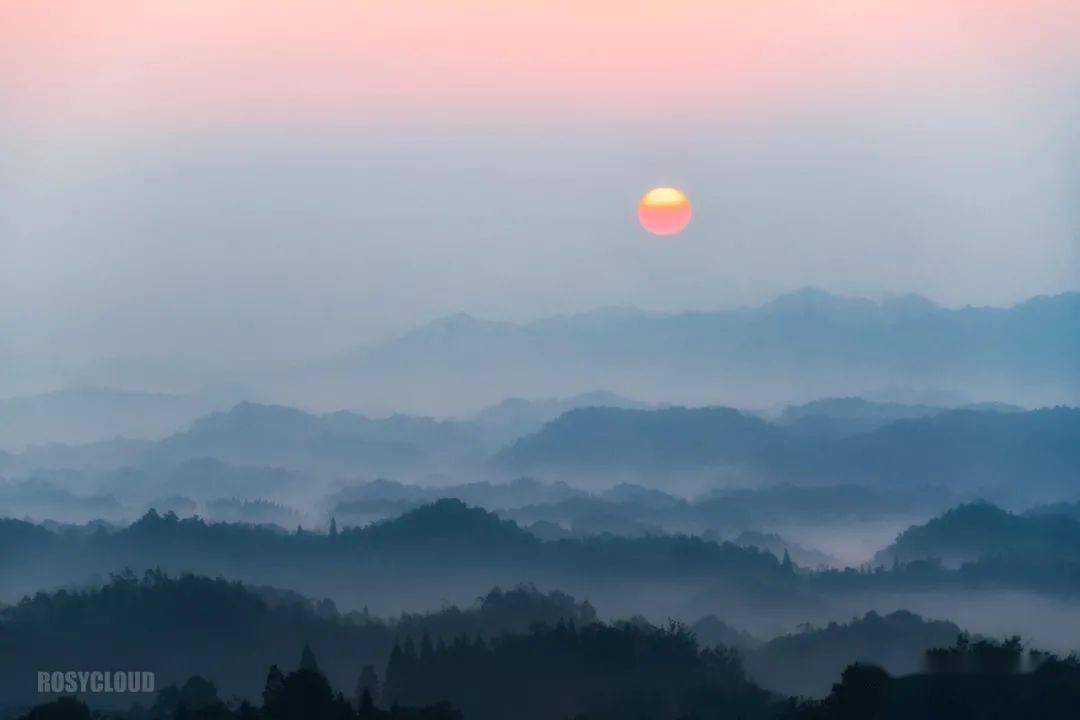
x: 275, y: 683
x: 199, y: 693
x: 367, y: 686
x: 307, y: 659
x: 396, y: 671
x: 862, y: 693
x: 333, y: 527
x: 65, y: 708
x: 306, y: 695
x: 365, y: 705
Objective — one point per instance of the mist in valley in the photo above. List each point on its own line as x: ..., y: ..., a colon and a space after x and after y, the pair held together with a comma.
x: 704, y: 361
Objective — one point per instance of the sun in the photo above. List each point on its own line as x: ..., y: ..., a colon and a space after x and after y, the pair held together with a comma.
x: 664, y: 211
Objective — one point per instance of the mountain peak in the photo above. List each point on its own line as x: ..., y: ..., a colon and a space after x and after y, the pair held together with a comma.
x: 811, y: 299
x: 450, y: 519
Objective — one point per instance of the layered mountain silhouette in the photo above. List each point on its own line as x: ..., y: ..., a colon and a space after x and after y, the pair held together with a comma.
x: 255, y: 451
x: 800, y: 346
x: 839, y: 417
x: 275, y: 435
x: 807, y: 663
x: 128, y: 620
x: 806, y: 344
x: 85, y: 415
x: 957, y: 448
x: 981, y: 530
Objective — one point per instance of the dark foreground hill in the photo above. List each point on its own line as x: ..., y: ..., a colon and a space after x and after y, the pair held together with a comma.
x: 1052, y: 690
x: 609, y: 672
x: 182, y: 626
x: 516, y: 654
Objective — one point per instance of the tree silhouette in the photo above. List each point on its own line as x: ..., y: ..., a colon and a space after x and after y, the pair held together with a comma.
x: 275, y: 686
x: 65, y: 708
x: 306, y: 695
x: 862, y: 692
x: 367, y: 686
x: 307, y: 659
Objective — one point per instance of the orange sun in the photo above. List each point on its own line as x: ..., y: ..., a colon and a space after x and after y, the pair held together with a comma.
x: 664, y: 211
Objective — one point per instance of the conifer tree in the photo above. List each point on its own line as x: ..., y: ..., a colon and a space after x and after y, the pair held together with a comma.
x: 307, y: 659
x: 367, y: 686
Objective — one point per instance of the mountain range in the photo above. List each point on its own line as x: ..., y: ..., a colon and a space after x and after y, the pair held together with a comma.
x: 91, y: 414
x: 800, y: 346
x: 99, y: 427
x: 1037, y: 450
x: 1014, y: 457
x: 797, y: 348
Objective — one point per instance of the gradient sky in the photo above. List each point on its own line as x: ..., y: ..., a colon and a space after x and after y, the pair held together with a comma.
x: 227, y: 179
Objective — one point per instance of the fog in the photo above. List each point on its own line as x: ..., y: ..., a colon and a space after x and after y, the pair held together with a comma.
x: 1041, y: 621
x: 167, y: 261
x: 330, y: 330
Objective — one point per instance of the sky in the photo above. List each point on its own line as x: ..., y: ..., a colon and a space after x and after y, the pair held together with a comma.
x: 231, y: 181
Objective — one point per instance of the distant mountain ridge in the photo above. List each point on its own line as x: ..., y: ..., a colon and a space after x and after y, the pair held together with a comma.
x: 612, y: 437
x: 84, y: 415
x: 255, y: 434
x: 802, y: 345
x: 954, y: 448
x: 986, y: 451
x: 854, y: 415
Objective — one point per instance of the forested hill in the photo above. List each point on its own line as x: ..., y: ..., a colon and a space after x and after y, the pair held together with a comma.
x: 446, y: 549
x: 979, y: 530
x: 449, y: 551
x: 187, y: 625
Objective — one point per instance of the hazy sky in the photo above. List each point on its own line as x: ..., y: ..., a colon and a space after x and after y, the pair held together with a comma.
x: 235, y: 181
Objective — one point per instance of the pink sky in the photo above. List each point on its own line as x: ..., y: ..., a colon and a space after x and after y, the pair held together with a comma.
x: 198, y: 61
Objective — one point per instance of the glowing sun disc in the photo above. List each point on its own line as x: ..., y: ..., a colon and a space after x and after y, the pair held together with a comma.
x: 664, y: 211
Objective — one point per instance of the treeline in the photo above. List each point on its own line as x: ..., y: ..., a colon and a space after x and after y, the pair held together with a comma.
x: 304, y: 694
x: 599, y: 672
x: 807, y: 663
x: 443, y: 546
x: 448, y: 552
x: 551, y: 672
x: 971, y: 679
x: 177, y: 627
